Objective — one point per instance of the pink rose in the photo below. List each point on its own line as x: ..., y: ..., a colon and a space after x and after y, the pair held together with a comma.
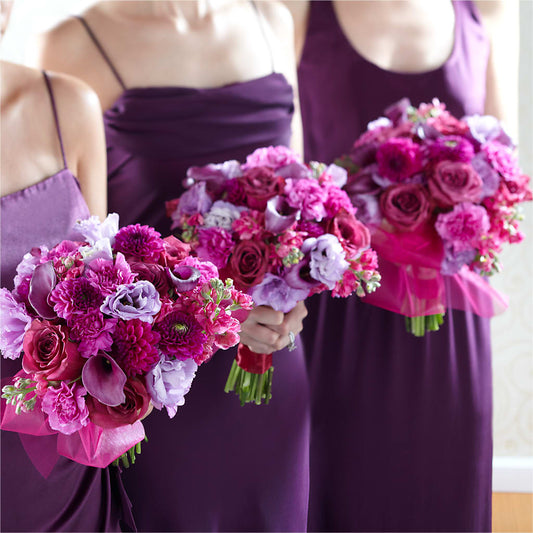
x: 248, y: 264
x: 405, y: 206
x: 260, y: 184
x: 132, y: 409
x: 66, y: 408
x: 453, y: 182
x: 352, y: 234
x: 174, y: 251
x: 49, y: 354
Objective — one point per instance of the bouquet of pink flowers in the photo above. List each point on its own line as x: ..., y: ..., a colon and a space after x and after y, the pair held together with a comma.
x: 105, y: 327
x: 440, y: 196
x: 282, y: 231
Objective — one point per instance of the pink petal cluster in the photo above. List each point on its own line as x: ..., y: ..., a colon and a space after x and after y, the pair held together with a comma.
x: 308, y: 196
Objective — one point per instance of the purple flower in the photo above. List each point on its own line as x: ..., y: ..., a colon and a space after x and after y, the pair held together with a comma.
x: 193, y: 201
x: 453, y: 261
x: 181, y: 335
x: 42, y: 283
x: 25, y: 270
x: 328, y: 262
x: 184, y: 278
x: 107, y: 275
x: 65, y: 407
x: 274, y: 292
x: 104, y: 379
x: 398, y: 159
x: 93, y: 230
x: 14, y: 322
x: 451, y: 148
x: 215, y: 175
x: 308, y: 196
x: 337, y: 200
x: 502, y: 159
x: 141, y: 242
x: 279, y: 216
x: 397, y: 112
x: 462, y: 227
x: 368, y: 209
x: 338, y: 175
x: 296, y: 171
x: 135, y: 300
x: 490, y: 178
x: 364, y: 155
x: 309, y: 229
x: 273, y: 157
x: 169, y: 381
x: 484, y: 128
x: 93, y: 331
x: 222, y: 215
x: 215, y: 245
x: 134, y: 347
x: 76, y: 295
x: 207, y: 270
x: 299, y: 275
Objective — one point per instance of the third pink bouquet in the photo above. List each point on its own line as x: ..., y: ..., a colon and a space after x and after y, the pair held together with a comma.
x: 282, y: 230
x: 440, y: 195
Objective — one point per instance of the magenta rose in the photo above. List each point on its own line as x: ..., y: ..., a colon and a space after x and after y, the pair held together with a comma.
x: 405, y: 206
x: 453, y: 182
x: 259, y: 185
x: 49, y: 354
x: 247, y: 264
x: 132, y: 409
x: 352, y: 234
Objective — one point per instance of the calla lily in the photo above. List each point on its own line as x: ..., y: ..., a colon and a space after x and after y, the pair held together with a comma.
x: 184, y: 278
x: 41, y: 285
x: 294, y: 170
x: 279, y: 216
x: 104, y: 379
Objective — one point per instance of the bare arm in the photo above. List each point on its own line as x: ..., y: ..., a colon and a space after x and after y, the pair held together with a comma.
x: 500, y: 18
x: 80, y: 118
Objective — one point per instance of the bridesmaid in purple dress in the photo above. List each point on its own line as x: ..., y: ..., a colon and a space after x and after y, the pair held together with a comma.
x: 214, y: 85
x: 37, y: 210
x: 401, y: 426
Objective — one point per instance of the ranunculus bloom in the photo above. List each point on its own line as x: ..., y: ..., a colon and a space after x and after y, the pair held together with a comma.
x: 274, y: 292
x: 49, y: 354
x: 260, y: 184
x: 399, y: 159
x: 405, y: 206
x: 14, y: 322
x: 132, y: 409
x: 463, y: 226
x: 328, y: 262
x: 248, y: 263
x: 154, y: 273
x: 453, y: 182
x: 215, y: 245
x: 353, y: 235
x: 135, y: 300
x: 169, y: 381
x: 66, y: 408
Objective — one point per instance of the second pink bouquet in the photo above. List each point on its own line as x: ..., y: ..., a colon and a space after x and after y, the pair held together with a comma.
x: 282, y: 231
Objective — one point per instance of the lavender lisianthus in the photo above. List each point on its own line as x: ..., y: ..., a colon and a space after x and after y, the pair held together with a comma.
x: 93, y: 230
x: 14, y: 322
x: 328, y: 262
x: 222, y: 215
x: 338, y: 175
x: 214, y: 173
x: 485, y: 128
x: 276, y: 293
x: 66, y: 408
x: 169, y: 381
x: 489, y: 177
x: 134, y: 300
x: 193, y: 201
x: 101, y: 249
x: 454, y: 260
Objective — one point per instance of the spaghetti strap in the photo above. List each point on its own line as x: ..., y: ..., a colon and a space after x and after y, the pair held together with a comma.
x: 101, y: 50
x: 56, y: 118
x: 261, y: 21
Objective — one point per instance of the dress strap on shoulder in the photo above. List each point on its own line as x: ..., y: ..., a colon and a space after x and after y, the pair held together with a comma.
x: 56, y: 118
x: 101, y: 50
x: 261, y: 21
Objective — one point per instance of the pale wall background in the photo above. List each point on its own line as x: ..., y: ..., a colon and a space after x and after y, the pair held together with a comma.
x: 512, y: 332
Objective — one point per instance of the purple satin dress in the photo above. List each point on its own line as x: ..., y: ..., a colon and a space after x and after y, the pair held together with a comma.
x: 216, y: 466
x: 401, y: 427
x: 74, y: 497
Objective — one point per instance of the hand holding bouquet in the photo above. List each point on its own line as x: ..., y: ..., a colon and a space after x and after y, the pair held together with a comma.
x: 440, y: 196
x: 104, y: 327
x: 282, y: 231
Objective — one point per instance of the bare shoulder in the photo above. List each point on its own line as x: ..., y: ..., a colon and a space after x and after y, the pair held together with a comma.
x: 278, y: 16
x: 494, y: 10
x: 298, y: 9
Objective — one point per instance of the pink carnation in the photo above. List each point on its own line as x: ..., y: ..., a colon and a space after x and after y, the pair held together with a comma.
x: 65, y: 407
x: 337, y: 200
x: 93, y: 331
x: 273, y: 157
x: 464, y: 226
x: 107, y: 275
x: 502, y: 158
x: 308, y: 196
x: 215, y: 245
x: 250, y: 226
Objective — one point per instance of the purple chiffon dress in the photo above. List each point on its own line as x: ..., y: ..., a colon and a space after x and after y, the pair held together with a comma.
x: 401, y: 434
x: 74, y: 497
x: 216, y: 466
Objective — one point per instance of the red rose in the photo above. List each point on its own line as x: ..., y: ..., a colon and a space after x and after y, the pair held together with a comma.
x: 247, y: 264
x: 134, y: 407
x: 49, y: 354
x: 260, y: 184
x: 405, y: 206
x: 453, y: 182
x: 352, y: 234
